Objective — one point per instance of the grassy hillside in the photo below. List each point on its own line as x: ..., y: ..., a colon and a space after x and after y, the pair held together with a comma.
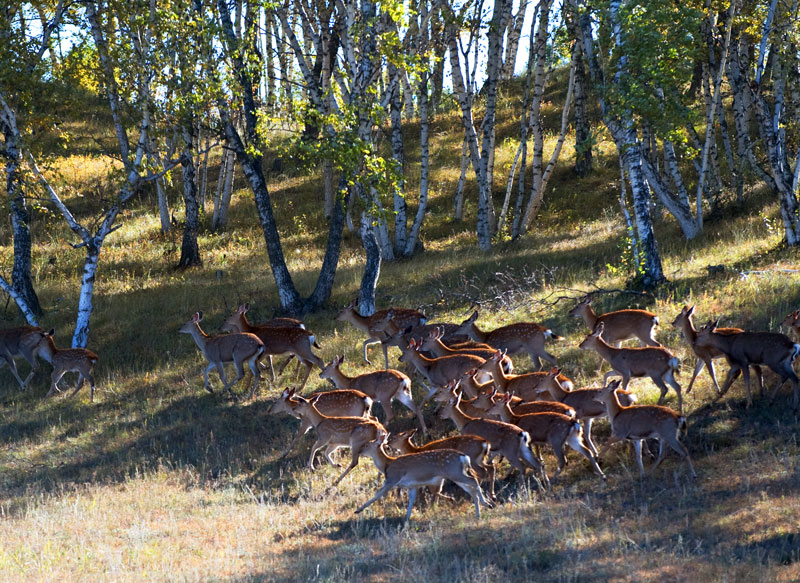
x: 158, y: 480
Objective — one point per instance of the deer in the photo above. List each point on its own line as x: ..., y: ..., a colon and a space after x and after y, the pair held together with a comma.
x: 382, y: 386
x: 705, y: 353
x: 619, y: 325
x: 526, y: 337
x: 428, y: 468
x: 439, y: 371
x: 277, y: 340
x: 335, y: 432
x: 66, y: 360
x: 556, y: 429
x: 639, y: 422
x: 339, y: 403
x: 238, y: 348
x: 505, y: 439
x: 20, y: 341
x: 792, y: 321
x: 476, y: 448
x: 525, y: 386
x: 433, y: 343
x: 742, y: 350
x: 655, y: 362
x: 372, y: 325
x: 585, y: 405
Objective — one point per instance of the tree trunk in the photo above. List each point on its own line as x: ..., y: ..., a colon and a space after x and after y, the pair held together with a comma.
x: 583, y: 129
x: 458, y: 199
x: 372, y: 269
x: 190, y: 252
x: 222, y: 202
x: 399, y: 163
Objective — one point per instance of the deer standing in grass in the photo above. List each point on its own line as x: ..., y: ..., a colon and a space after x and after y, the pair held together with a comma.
x: 705, y: 353
x: 340, y: 403
x: 21, y: 341
x: 650, y: 361
x: 525, y: 386
x: 428, y: 468
x: 373, y: 326
x: 278, y: 340
x: 336, y: 432
x: 619, y: 325
x: 433, y: 343
x: 505, y: 439
x: 526, y: 337
x: 476, y: 448
x: 555, y: 429
x: 640, y: 422
x: 382, y: 386
x: 742, y: 350
x: 586, y: 406
x: 439, y: 371
x: 66, y: 360
x: 239, y: 348
x: 792, y: 321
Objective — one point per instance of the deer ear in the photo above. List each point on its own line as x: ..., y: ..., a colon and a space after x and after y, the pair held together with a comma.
x: 51, y: 332
x: 555, y: 371
x: 198, y: 316
x: 690, y: 311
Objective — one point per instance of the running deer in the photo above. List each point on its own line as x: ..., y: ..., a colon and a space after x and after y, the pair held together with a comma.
x: 525, y: 386
x: 555, y: 429
x: 742, y: 350
x: 382, y: 386
x: 439, y: 371
x: 400, y: 337
x: 476, y: 448
x: 277, y: 340
x: 586, y: 406
x: 792, y: 321
x: 373, y: 325
x: 340, y: 403
x: 239, y: 348
x: 650, y: 361
x: 619, y: 325
x: 66, y: 360
x: 506, y: 440
x: 21, y: 341
x: 416, y: 470
x: 524, y: 337
x: 433, y: 343
x: 336, y: 432
x: 640, y: 422
x: 705, y: 353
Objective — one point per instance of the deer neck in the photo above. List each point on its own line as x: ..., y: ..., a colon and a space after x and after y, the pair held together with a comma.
x: 381, y: 459
x: 311, y: 413
x: 604, y: 349
x: 441, y: 349
x: 357, y: 320
x: 613, y: 408
x: 458, y: 416
x: 476, y: 333
x: 341, y: 380
x: 557, y: 390
x: 498, y: 375
x: 47, y: 349
x: 689, y: 331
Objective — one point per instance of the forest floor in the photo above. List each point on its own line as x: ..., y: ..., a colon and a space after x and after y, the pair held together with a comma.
x: 158, y: 480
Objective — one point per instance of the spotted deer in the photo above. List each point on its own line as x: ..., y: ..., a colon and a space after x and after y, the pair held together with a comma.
x: 619, y: 325
x: 66, y: 360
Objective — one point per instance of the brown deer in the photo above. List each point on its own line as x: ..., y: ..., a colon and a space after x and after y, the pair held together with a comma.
x: 239, y: 348
x: 428, y: 468
x: 277, y: 340
x: 619, y: 325
x: 586, y: 406
x: 525, y: 386
x: 792, y: 321
x: 526, y: 337
x: 66, y: 360
x: 439, y: 371
x: 650, y: 361
x: 640, y: 422
x: 335, y: 432
x: 339, y: 403
x: 21, y: 341
x: 742, y: 350
x: 476, y: 448
x: 373, y: 325
x: 505, y: 439
x: 705, y: 353
x: 382, y: 386
x: 433, y: 343
x: 555, y: 429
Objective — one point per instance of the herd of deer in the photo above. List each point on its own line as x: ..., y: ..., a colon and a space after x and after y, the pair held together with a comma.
x: 468, y: 371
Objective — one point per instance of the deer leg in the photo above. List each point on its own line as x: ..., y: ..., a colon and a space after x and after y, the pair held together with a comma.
x: 54, y: 378
x: 733, y: 373
x: 302, y: 430
x: 308, y: 374
x: 405, y: 399
x: 328, y: 451
x: 412, y: 496
x: 587, y: 435
x: 660, y: 455
x: 318, y: 445
x: 206, y: 383
x: 13, y: 366
x: 712, y: 372
x: 537, y: 364
x: 356, y: 453
x: 79, y: 385
x: 558, y: 450
x: 367, y: 342
x: 637, y: 445
x: 385, y: 348
x: 684, y: 453
x: 285, y: 364
x: 385, y: 489
x: 575, y: 442
x: 256, y: 375
x: 670, y: 378
x: 697, y: 368
x: 746, y: 376
x: 475, y: 492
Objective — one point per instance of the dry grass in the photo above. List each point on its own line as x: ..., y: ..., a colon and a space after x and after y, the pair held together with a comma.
x: 160, y: 481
